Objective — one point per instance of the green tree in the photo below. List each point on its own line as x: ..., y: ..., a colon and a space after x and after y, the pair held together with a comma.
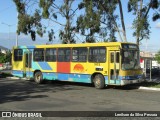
x: 68, y: 34
x: 140, y: 23
x: 88, y: 24
x: 99, y: 19
x: 8, y: 56
x: 30, y: 22
x: 5, y: 57
x: 2, y: 58
x: 108, y: 18
x: 157, y: 57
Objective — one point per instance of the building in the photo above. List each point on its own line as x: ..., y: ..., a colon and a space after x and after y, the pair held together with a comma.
x: 3, y: 50
x: 147, y: 56
x: 147, y: 61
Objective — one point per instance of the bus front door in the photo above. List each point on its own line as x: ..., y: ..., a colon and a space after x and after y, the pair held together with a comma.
x: 114, y: 67
x: 27, y: 64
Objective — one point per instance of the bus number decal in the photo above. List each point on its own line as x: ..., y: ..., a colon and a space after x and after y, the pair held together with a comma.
x: 97, y: 64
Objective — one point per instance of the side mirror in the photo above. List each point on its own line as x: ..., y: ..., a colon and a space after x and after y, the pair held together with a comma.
x: 121, y: 51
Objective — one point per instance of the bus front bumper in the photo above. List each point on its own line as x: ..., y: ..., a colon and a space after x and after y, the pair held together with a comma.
x: 127, y: 82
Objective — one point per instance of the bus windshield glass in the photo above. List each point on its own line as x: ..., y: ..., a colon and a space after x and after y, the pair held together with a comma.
x: 130, y: 59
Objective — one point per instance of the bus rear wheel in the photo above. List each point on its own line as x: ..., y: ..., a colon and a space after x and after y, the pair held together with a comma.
x: 99, y: 81
x: 38, y: 77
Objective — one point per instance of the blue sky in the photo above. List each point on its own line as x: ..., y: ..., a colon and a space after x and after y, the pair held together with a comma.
x: 8, y: 17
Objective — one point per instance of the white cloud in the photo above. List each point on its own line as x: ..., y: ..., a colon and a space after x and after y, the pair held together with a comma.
x: 158, y: 25
x: 129, y: 26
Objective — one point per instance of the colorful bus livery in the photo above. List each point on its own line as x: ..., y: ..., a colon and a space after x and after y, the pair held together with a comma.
x: 112, y: 63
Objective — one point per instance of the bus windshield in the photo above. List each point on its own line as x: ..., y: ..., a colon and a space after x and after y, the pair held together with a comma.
x: 130, y: 59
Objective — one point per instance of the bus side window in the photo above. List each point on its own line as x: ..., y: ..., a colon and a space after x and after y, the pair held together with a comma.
x: 79, y: 54
x: 74, y: 55
x: 117, y: 57
x: 67, y: 55
x: 64, y: 55
x: 38, y: 54
x: 112, y: 57
x: 18, y: 53
x: 97, y: 54
x: 51, y: 54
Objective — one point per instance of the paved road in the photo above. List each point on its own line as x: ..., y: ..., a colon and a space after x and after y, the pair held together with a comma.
x: 27, y: 95
x: 22, y: 95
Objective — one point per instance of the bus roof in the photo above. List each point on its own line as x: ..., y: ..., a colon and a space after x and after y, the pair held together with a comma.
x: 74, y: 45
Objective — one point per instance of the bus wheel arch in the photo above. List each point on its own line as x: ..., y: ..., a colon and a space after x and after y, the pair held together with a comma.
x: 38, y: 77
x: 98, y: 80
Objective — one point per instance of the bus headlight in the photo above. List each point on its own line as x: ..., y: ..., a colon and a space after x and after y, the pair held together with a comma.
x: 124, y: 78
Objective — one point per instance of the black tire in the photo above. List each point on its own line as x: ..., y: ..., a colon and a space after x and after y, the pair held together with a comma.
x: 38, y: 77
x: 99, y: 81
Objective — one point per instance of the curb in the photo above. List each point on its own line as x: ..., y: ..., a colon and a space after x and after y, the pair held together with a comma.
x: 149, y: 88
x: 17, y: 78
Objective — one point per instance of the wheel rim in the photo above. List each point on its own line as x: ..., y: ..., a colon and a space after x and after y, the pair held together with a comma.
x: 38, y: 78
x: 97, y: 81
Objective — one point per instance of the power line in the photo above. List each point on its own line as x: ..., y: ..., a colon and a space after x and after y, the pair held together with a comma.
x: 6, y: 8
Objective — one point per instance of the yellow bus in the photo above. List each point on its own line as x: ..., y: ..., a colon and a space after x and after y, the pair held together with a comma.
x: 110, y: 63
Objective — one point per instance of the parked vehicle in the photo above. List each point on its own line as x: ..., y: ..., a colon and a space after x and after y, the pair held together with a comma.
x: 154, y: 71
x: 1, y: 66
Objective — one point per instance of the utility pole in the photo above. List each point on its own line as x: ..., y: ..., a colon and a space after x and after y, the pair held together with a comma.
x: 17, y: 33
x: 8, y: 29
x: 9, y: 26
x: 16, y: 39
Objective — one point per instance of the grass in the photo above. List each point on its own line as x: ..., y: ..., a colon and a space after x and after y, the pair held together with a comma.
x: 150, y: 84
x: 156, y: 86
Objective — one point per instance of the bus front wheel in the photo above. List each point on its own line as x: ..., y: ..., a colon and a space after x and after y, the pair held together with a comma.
x: 99, y: 82
x: 38, y: 77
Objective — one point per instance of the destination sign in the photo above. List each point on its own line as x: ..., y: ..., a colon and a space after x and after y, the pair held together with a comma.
x: 129, y: 46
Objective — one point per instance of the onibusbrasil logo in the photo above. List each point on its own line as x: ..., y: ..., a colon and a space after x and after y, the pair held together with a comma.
x: 21, y: 114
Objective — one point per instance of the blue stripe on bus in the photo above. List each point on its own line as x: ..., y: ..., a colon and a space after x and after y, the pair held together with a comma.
x: 50, y: 76
x: 17, y: 73
x: 106, y: 79
x: 130, y: 77
x: 31, y: 47
x: 29, y: 74
x: 62, y: 76
x: 44, y: 66
x: 20, y: 73
x: 27, y: 47
x: 116, y: 82
x: 85, y: 78
x: 35, y: 66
